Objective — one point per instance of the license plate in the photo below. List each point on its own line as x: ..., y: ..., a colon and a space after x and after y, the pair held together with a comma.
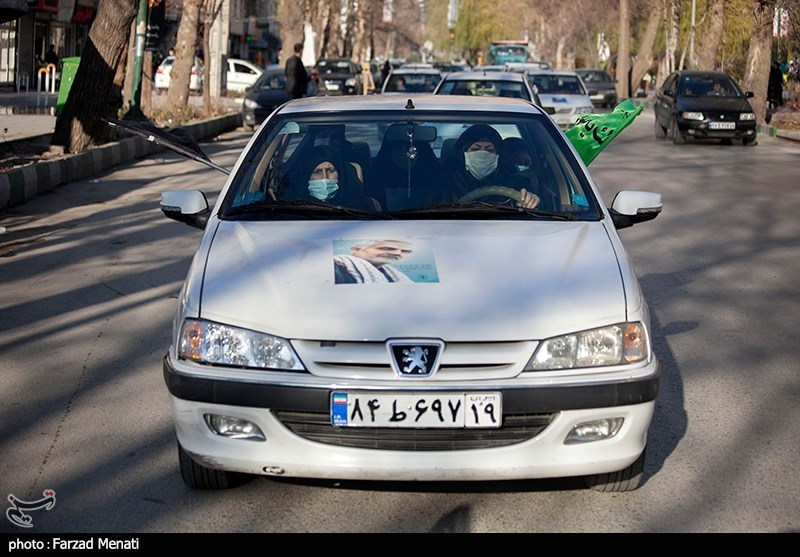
x: 417, y: 410
x: 332, y: 86
x: 722, y: 125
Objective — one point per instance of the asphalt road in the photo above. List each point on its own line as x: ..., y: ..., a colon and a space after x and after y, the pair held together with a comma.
x: 90, y: 273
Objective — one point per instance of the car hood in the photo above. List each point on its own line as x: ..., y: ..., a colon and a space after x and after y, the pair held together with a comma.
x: 477, y: 280
x: 700, y: 104
x: 563, y: 101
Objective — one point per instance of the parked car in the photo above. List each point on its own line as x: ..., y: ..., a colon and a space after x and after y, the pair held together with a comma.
x: 162, y: 79
x: 563, y: 92
x: 488, y: 84
x: 339, y: 76
x: 241, y: 74
x: 602, y: 87
x: 441, y: 336
x: 267, y: 94
x: 704, y: 105
x: 411, y: 81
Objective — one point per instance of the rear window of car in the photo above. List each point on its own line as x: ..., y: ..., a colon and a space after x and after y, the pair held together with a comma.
x: 484, y: 88
x: 559, y: 84
x: 275, y: 169
x: 413, y: 82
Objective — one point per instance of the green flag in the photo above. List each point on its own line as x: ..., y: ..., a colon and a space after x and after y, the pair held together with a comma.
x: 593, y: 132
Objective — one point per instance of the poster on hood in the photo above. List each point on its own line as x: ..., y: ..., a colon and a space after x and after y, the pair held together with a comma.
x: 383, y: 261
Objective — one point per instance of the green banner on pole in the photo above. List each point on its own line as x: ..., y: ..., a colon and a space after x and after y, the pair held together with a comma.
x: 593, y: 132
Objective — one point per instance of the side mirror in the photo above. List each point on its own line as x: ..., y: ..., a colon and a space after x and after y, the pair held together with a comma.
x: 186, y: 206
x: 632, y: 207
x: 668, y: 93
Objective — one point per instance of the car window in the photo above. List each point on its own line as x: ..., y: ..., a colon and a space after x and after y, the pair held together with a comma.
x: 241, y: 68
x: 596, y: 77
x: 484, y: 88
x: 412, y: 82
x: 271, y: 81
x: 704, y: 86
x: 334, y: 66
x: 558, y: 84
x: 275, y: 171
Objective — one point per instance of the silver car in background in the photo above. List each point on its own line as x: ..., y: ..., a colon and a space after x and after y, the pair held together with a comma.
x: 564, y: 93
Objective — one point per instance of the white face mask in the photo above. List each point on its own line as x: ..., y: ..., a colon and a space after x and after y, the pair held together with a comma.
x: 480, y: 163
x: 323, y: 189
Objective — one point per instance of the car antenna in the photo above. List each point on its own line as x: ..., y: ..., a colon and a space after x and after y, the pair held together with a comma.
x: 410, y: 105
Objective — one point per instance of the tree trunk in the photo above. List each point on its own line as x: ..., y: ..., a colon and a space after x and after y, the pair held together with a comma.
x: 211, y: 10
x: 707, y: 50
x: 92, y: 94
x: 147, y: 83
x: 185, y: 50
x: 756, y: 75
x: 644, y: 58
x: 624, y: 52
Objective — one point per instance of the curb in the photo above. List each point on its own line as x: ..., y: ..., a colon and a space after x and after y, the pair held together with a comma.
x: 21, y: 184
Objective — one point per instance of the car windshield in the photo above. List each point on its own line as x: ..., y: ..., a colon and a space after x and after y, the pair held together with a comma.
x: 484, y: 88
x: 270, y: 81
x: 596, y: 77
x: 413, y: 83
x: 705, y: 86
x: 389, y: 165
x: 558, y: 84
x: 334, y: 66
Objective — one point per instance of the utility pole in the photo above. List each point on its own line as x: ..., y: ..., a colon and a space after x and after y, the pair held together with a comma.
x: 135, y: 110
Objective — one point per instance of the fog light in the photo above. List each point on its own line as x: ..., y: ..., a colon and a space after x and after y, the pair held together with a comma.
x: 595, y: 430
x: 234, y: 428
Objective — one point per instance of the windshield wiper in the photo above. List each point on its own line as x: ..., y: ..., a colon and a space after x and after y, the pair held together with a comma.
x: 481, y: 207
x: 300, y: 206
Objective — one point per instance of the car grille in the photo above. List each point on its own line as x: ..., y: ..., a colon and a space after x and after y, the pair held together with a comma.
x: 724, y: 116
x: 317, y: 427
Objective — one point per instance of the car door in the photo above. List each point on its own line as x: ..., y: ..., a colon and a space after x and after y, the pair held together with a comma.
x: 665, y: 101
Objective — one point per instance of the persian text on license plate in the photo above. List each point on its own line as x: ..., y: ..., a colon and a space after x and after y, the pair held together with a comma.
x: 722, y: 125
x: 417, y: 410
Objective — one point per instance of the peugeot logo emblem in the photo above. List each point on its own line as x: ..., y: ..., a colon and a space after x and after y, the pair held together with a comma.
x: 415, y: 358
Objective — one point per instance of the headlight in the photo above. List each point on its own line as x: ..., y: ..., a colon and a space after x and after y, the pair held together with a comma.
x: 625, y: 343
x: 692, y: 116
x: 250, y: 103
x: 213, y: 343
x: 350, y: 82
x: 747, y: 116
x: 584, y: 109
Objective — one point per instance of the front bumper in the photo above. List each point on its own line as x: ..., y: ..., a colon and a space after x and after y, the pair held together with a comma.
x: 292, y: 452
x: 701, y: 129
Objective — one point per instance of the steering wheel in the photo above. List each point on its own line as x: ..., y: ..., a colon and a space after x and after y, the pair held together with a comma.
x: 490, y: 190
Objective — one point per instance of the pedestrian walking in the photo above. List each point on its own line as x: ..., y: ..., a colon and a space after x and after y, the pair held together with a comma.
x: 775, y: 86
x: 296, y: 74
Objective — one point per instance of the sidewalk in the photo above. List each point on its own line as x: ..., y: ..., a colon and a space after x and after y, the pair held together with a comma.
x: 31, y: 117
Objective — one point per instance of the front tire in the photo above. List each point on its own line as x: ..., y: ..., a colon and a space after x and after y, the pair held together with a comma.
x: 749, y: 141
x: 627, y: 479
x: 198, y: 476
x: 677, y: 138
x: 661, y: 133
